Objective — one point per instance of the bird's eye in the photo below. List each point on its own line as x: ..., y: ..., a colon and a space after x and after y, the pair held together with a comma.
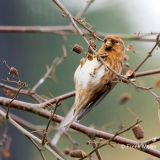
x: 116, y: 41
x: 105, y: 41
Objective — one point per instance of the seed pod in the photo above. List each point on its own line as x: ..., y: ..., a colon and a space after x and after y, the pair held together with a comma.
x: 46, y: 141
x: 67, y: 151
x: 88, y: 142
x: 90, y: 57
x: 13, y: 71
x: 129, y: 47
x: 77, y: 153
x: 93, y: 45
x: 124, y: 98
x: 4, y: 62
x: 130, y: 73
x: 77, y: 48
x: 138, y: 132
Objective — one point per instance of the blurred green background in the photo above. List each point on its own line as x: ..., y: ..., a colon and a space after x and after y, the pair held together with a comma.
x: 30, y: 52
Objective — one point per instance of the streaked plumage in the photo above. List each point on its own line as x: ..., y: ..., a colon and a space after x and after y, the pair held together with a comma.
x: 93, y: 81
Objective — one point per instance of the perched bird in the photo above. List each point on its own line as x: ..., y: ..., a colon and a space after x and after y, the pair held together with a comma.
x: 93, y: 81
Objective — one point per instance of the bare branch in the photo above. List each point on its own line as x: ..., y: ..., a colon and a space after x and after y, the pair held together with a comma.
x: 97, y: 151
x: 68, y: 30
x: 149, y: 53
x: 25, y: 132
x: 147, y: 73
x: 56, y: 61
x: 39, y: 149
x: 78, y: 127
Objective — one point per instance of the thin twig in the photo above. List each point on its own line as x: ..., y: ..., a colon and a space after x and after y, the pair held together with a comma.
x: 25, y: 132
x: 68, y: 30
x: 148, y: 89
x: 32, y: 127
x: 149, y: 53
x: 111, y: 139
x: 14, y: 99
x: 39, y: 149
x: 56, y: 61
x: 83, y: 37
x: 78, y: 127
x: 70, y: 94
x: 84, y: 8
x: 50, y: 119
x: 97, y: 151
x: 47, y: 102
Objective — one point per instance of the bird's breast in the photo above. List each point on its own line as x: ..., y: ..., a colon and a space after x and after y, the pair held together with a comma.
x: 90, y: 73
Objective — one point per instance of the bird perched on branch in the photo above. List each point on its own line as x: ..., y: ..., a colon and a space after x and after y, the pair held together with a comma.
x: 93, y: 80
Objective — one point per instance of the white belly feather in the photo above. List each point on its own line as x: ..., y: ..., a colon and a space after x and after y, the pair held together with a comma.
x: 91, y: 71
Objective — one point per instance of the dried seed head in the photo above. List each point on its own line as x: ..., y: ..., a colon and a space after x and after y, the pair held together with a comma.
x: 129, y: 47
x: 130, y: 73
x: 77, y: 48
x: 9, y: 92
x: 88, y: 142
x: 67, y: 151
x: 77, y: 153
x: 13, y: 71
x: 82, y: 61
x: 92, y: 44
x: 126, y: 57
x: 26, y: 85
x: 124, y: 98
x: 99, y: 141
x: 46, y: 142
x: 90, y: 57
x: 4, y: 62
x: 138, y: 132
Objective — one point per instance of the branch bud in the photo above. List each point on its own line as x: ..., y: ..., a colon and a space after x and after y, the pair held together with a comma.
x: 130, y: 74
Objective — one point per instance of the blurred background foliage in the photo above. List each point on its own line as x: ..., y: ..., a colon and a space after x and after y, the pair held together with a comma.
x: 30, y: 52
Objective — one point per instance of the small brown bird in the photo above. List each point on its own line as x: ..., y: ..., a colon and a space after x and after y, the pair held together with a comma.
x: 93, y: 81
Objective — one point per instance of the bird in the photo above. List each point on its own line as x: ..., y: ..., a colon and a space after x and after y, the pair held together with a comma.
x: 93, y: 80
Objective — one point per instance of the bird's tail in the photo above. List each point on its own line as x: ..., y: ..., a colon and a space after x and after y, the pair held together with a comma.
x: 67, y: 121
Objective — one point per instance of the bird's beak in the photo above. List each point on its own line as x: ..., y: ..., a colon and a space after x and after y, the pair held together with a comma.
x: 108, y: 43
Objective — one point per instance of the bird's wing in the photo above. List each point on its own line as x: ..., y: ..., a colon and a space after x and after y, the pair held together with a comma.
x: 84, y: 95
x: 95, y: 102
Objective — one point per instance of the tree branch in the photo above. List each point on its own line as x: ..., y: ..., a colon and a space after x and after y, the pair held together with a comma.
x: 78, y: 127
x: 25, y: 132
x: 68, y: 30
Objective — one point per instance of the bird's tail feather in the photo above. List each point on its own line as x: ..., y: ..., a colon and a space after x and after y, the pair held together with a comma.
x: 67, y: 121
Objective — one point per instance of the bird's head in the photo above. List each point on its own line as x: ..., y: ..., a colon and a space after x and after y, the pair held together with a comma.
x: 112, y: 44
